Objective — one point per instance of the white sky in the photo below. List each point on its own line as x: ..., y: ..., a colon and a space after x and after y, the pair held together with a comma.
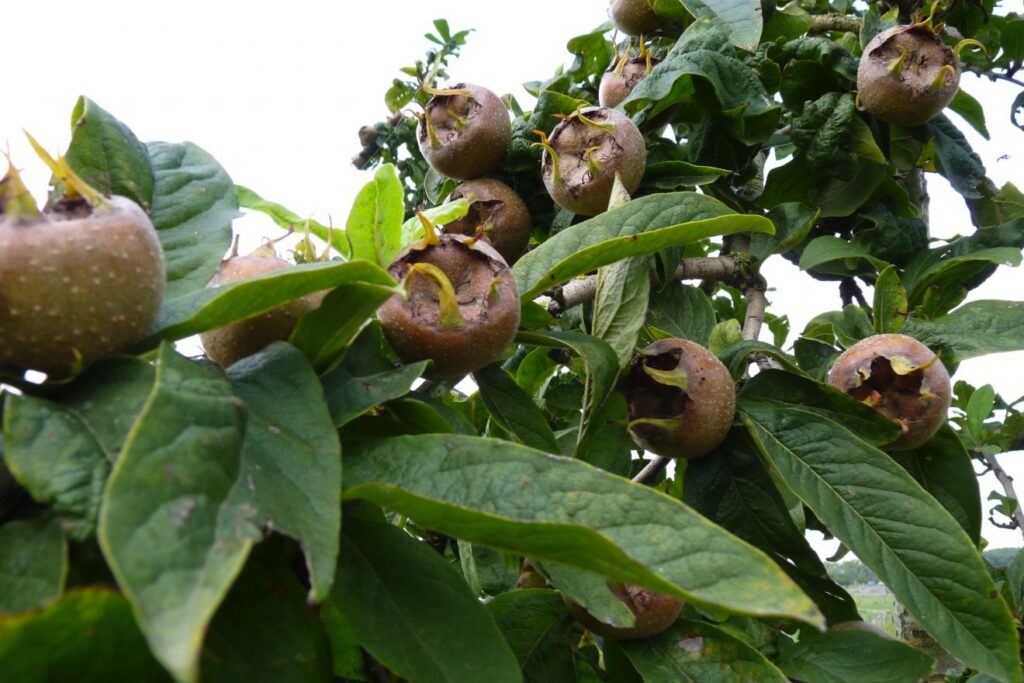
x: 276, y: 92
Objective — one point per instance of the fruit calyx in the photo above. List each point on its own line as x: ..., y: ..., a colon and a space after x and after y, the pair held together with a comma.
x: 75, y: 188
x: 17, y: 205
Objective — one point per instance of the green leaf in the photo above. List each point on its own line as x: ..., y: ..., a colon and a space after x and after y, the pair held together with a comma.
x: 979, y: 407
x: 324, y: 333
x: 374, y: 226
x: 735, y: 357
x: 33, y: 564
x: 194, y: 202
x: 974, y: 329
x: 514, y: 410
x: 520, y: 500
x: 643, y: 226
x: 955, y: 158
x: 741, y: 19
x: 943, y: 468
x: 289, y: 220
x: 734, y: 490
x: 880, y: 513
x: 413, y: 612
x: 793, y: 222
x: 213, y: 307
x: 833, y: 196
x: 672, y: 175
x: 291, y: 458
x: 349, y: 396
x: 601, y: 363
x: 697, y: 651
x: 1015, y: 577
x: 839, y: 657
x: 824, y: 130
x: 592, y: 592
x: 890, y: 306
x: 107, y: 155
x: 89, y: 636
x: 825, y: 250
x: 166, y: 527
x: 264, y: 630
x: 724, y: 336
x: 620, y: 304
x: 412, y: 229
x: 683, y: 311
x: 62, y: 450
x: 538, y: 628
x: 971, y: 110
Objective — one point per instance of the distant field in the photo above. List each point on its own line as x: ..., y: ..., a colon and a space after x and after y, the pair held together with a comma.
x: 876, y: 605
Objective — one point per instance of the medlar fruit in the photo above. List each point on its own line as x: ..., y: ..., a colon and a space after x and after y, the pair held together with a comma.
x: 464, y: 131
x: 461, y: 308
x: 618, y: 81
x: 634, y: 17
x: 583, y: 154
x: 681, y: 399
x: 654, y: 613
x: 497, y: 213
x: 902, y: 379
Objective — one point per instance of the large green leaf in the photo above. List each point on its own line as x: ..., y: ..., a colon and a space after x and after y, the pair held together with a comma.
x: 620, y: 304
x: 793, y: 222
x: 107, y: 155
x: 642, y: 226
x: 538, y: 628
x: 839, y: 657
x: 590, y: 591
x: 943, y: 467
x: 682, y: 311
x: 166, y: 527
x: 89, y: 636
x: 741, y: 19
x: 194, y: 203
x: 890, y: 305
x: 349, y: 396
x: 413, y: 612
x: 520, y: 500
x: 886, y: 518
x: 209, y: 308
x: 62, y: 450
x: 974, y: 329
x: 701, y: 653
x: 265, y: 631
x: 374, y: 226
x: 291, y: 459
x: 514, y: 410
x: 289, y: 220
x: 33, y: 564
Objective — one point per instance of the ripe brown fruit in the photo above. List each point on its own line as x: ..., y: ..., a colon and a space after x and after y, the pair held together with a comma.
x: 464, y: 131
x: 82, y: 281
x: 902, y: 379
x: 618, y: 82
x: 654, y: 613
x: 907, y: 75
x: 681, y: 399
x: 461, y: 310
x: 231, y: 343
x: 498, y: 213
x: 634, y: 17
x: 583, y: 154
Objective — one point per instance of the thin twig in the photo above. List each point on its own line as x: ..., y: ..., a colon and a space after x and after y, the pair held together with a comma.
x: 651, y: 470
x: 821, y: 23
x: 1007, y: 483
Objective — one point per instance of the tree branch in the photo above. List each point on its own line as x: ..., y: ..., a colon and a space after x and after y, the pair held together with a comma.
x: 1006, y: 481
x: 820, y: 23
x: 651, y: 470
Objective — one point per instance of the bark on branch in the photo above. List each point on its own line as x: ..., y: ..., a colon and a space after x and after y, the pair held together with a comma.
x: 820, y: 23
x: 1006, y: 481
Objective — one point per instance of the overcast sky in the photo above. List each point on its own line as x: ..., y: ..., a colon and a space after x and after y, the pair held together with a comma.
x: 276, y: 92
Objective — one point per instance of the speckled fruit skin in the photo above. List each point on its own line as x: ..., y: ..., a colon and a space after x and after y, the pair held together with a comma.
x: 616, y: 87
x: 702, y: 415
x: 581, y: 191
x: 228, y: 345
x: 488, y: 301
x: 921, y: 415
x: 907, y: 98
x: 634, y: 17
x: 79, y: 285
x: 475, y: 149
x: 654, y: 613
x: 498, y: 204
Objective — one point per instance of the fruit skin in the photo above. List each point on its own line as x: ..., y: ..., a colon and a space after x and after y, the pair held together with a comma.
x: 496, y: 204
x: 487, y: 297
x: 634, y: 17
x: 477, y: 147
x: 689, y: 422
x: 654, y: 613
x: 81, y: 281
x: 579, y: 189
x: 231, y: 343
x: 907, y: 98
x: 617, y: 83
x: 918, y: 400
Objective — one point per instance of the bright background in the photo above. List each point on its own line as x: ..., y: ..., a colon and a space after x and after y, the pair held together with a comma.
x: 276, y: 92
